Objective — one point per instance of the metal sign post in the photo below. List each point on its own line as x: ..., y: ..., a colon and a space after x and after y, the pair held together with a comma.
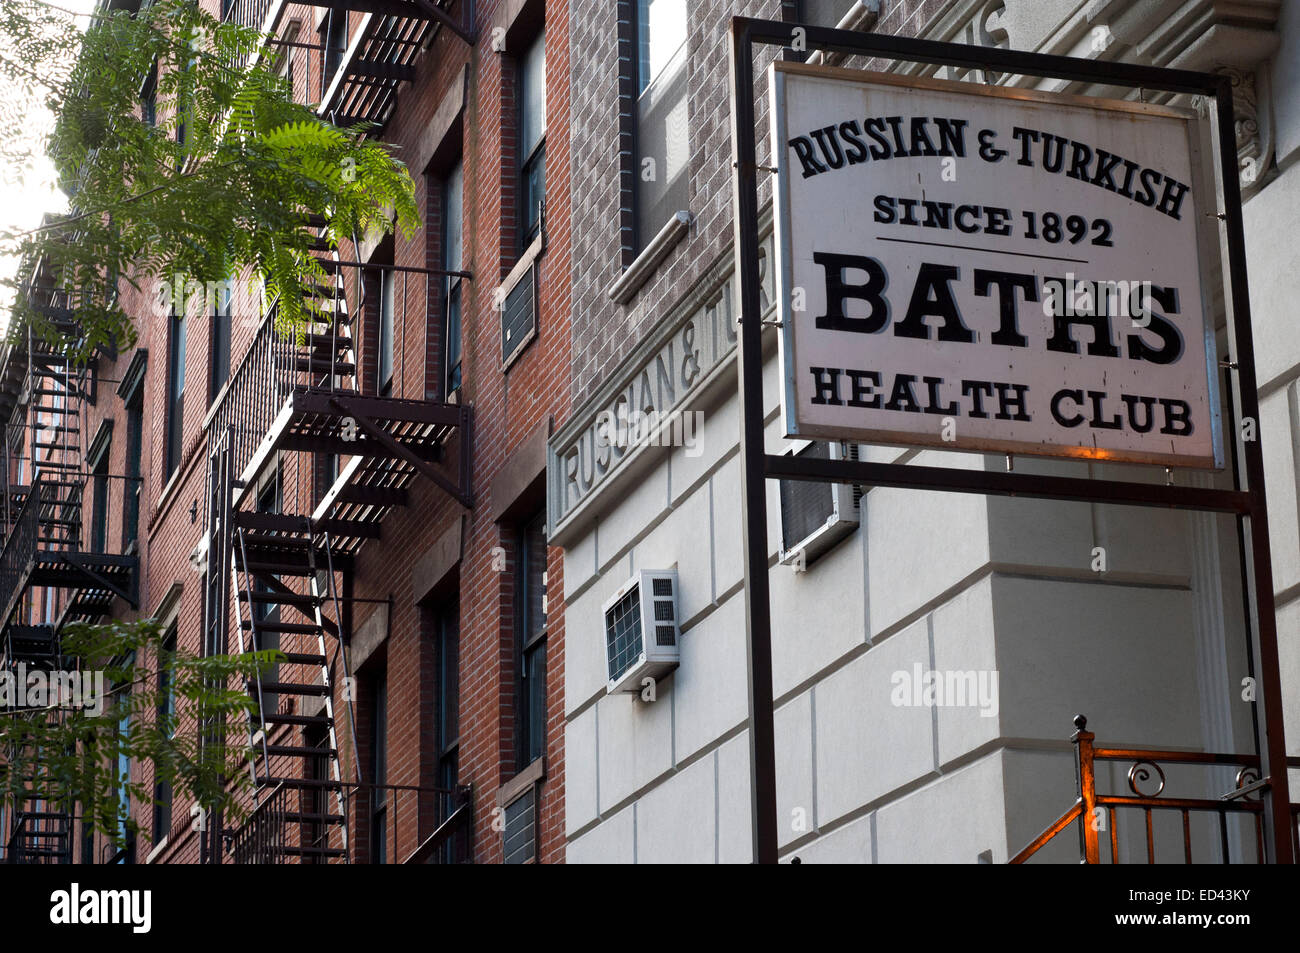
x: 1245, y: 500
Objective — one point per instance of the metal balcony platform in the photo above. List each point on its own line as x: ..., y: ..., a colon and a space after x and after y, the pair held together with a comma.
x: 95, y: 580
x: 379, y: 59
x: 366, y: 490
x: 33, y: 644
x: 409, y: 435
x: 381, y: 55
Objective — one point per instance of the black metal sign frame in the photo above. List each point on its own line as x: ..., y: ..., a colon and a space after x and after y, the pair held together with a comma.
x: 1245, y: 501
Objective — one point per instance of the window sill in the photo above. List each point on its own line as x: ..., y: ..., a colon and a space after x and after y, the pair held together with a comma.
x: 638, y: 273
x: 862, y: 18
x: 518, y: 786
x: 157, y: 850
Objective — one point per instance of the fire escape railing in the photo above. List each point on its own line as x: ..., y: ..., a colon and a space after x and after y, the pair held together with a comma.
x: 320, y: 355
x: 19, y: 549
x: 274, y: 834
x: 257, y: 390
x: 262, y: 837
x: 246, y: 13
x: 39, y: 838
x: 1096, y: 815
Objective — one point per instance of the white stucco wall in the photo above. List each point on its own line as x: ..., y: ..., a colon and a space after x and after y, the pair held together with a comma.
x: 1152, y: 650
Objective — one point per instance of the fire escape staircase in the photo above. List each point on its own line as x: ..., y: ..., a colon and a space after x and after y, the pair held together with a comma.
x: 270, y: 613
x: 43, y: 392
x: 297, y: 391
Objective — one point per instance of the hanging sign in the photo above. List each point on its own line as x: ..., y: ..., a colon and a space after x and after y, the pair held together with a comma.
x: 983, y: 268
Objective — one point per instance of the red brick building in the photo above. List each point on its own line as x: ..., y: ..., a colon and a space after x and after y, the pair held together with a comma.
x: 368, y: 498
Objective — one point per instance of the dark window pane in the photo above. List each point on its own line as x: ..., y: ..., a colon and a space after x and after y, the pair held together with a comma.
x: 530, y: 636
x: 220, y: 353
x: 379, y: 771
x: 131, y: 489
x: 824, y: 12
x: 532, y: 129
x: 176, y: 395
x: 452, y: 246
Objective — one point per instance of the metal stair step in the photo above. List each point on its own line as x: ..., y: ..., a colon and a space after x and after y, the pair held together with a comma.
x: 291, y: 688
x: 309, y: 783
x: 295, y: 719
x: 289, y: 628
x: 281, y: 598
x: 303, y: 658
x: 312, y: 851
x: 294, y: 751
x: 303, y: 570
x: 307, y: 817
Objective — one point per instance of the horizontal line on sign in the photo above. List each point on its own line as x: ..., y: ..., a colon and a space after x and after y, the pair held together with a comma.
x: 994, y: 251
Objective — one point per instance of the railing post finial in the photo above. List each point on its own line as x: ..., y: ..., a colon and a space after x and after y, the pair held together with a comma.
x: 1088, y: 840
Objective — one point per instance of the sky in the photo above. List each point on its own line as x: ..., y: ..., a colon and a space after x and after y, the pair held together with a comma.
x: 27, y: 194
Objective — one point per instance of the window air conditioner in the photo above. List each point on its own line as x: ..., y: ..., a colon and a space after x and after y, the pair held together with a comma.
x: 641, y: 630
x: 816, y: 516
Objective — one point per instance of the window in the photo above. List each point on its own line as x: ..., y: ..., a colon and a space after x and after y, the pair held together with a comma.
x: 132, y: 393
x: 175, y: 396
x: 126, y: 854
x: 334, y: 43
x: 532, y: 139
x: 316, y: 832
x: 378, y: 770
x: 162, y: 789
x: 325, y: 470
x: 99, y: 492
x: 824, y: 12
x: 662, y: 127
x: 149, y: 97
x: 270, y: 498
x: 87, y: 836
x: 452, y: 239
x: 530, y: 641
x: 661, y: 32
x: 447, y: 704
x: 219, y: 353
x: 387, y: 305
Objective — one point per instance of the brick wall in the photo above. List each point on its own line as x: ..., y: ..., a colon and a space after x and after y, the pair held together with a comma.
x: 507, y: 406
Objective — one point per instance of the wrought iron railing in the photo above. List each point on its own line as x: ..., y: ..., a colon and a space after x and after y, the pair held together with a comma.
x: 319, y: 354
x: 19, y: 548
x: 415, y: 825
x: 1229, y: 815
x: 256, y: 391
x: 246, y: 13
x: 262, y: 838
x: 52, y: 519
x: 41, y: 837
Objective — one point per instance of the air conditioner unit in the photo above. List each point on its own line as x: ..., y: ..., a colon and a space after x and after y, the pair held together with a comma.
x: 816, y: 516
x: 641, y: 630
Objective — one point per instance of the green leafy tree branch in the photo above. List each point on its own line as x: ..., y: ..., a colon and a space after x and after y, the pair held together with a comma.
x: 185, y: 715
x: 229, y: 177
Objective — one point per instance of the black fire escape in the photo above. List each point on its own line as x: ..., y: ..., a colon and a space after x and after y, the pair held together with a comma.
x: 49, y: 576
x: 364, y: 69
x: 279, y: 568
x: 298, y: 393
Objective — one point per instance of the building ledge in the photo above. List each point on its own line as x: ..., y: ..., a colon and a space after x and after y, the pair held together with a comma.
x: 637, y: 273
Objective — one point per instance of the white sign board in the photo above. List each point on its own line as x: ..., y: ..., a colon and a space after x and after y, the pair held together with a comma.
x: 982, y: 268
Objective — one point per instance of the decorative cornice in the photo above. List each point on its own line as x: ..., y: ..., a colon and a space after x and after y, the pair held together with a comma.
x: 1253, y: 128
